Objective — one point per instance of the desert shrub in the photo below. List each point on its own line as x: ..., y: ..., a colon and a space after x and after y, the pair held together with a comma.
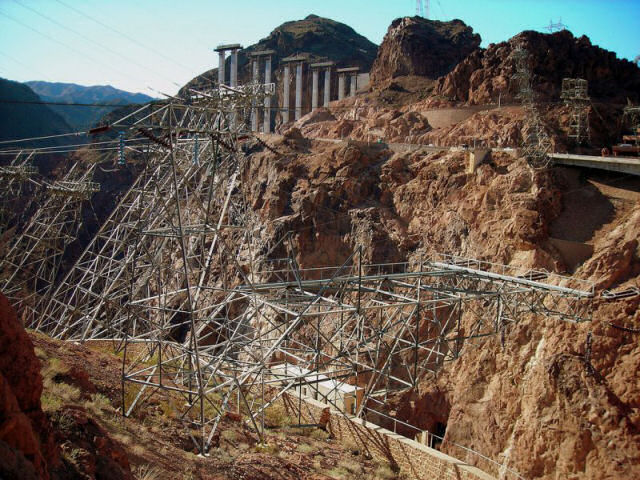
x: 276, y: 416
x: 98, y: 404
x: 63, y: 391
x: 271, y: 448
x: 318, y: 434
x: 305, y: 448
x: 146, y: 472
x: 50, y: 403
x: 350, y: 466
x: 384, y: 472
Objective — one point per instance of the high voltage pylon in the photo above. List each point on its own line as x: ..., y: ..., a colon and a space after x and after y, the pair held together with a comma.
x: 18, y: 184
x: 32, y: 262
x: 422, y: 8
x: 536, y: 143
x: 205, y: 308
x: 576, y: 97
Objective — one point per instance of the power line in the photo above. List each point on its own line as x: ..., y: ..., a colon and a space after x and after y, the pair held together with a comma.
x: 21, y: 140
x: 66, y: 46
x: 131, y: 39
x: 41, y: 74
x: 70, y: 104
x: 89, y: 39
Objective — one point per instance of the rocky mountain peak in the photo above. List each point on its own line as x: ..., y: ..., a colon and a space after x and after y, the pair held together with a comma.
x: 486, y: 74
x: 318, y: 38
x: 419, y: 46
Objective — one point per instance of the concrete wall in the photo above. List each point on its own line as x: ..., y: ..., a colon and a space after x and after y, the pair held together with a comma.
x: 412, y: 458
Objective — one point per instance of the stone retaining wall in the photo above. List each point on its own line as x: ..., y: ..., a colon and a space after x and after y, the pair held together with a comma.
x: 412, y: 458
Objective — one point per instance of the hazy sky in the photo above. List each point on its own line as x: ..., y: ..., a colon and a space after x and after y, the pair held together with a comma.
x: 152, y: 46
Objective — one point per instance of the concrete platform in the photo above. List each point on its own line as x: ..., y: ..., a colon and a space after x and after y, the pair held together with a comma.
x: 613, y: 164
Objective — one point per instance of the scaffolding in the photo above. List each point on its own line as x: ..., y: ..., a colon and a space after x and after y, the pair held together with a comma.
x: 536, y: 143
x: 576, y: 97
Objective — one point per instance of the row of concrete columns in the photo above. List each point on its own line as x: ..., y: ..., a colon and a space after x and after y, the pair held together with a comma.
x: 222, y: 53
x: 316, y: 68
x: 295, y: 61
x: 257, y: 56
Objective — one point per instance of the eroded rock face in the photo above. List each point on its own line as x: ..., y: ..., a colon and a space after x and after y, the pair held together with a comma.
x: 418, y: 46
x: 487, y: 74
x: 529, y: 397
x: 26, y: 439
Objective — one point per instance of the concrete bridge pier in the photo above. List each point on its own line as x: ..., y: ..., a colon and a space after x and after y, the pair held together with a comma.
x: 286, y: 94
x: 314, y: 90
x: 315, y: 93
x: 222, y: 51
x: 352, y: 72
x: 327, y: 86
x: 221, y: 66
x: 298, y: 90
x: 267, y: 99
x: 255, y: 111
x: 298, y: 61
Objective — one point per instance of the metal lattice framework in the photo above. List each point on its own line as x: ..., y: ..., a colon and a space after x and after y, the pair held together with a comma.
x: 576, y: 97
x: 31, y: 264
x: 633, y: 113
x: 181, y: 278
x: 536, y: 144
x: 17, y: 185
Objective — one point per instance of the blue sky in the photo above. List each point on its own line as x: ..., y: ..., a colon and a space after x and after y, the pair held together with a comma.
x: 166, y: 43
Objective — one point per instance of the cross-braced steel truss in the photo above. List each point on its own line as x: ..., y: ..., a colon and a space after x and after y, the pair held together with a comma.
x: 536, y: 144
x: 576, y: 97
x: 180, y: 276
x: 31, y: 264
x: 18, y: 183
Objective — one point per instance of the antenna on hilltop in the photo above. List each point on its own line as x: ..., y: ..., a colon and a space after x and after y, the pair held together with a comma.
x: 555, y: 27
x: 422, y: 8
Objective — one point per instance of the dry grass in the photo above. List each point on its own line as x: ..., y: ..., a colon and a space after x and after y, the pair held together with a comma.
x: 146, y: 472
x: 305, y: 448
x: 98, y: 404
x: 384, y: 472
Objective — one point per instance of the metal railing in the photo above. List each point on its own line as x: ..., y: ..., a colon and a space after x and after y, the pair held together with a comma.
x: 436, y: 442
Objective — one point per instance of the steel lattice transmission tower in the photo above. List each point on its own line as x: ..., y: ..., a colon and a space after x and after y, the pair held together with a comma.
x: 633, y: 113
x: 30, y: 267
x: 218, y: 317
x: 422, y: 8
x: 576, y: 97
x: 18, y: 184
x: 536, y: 143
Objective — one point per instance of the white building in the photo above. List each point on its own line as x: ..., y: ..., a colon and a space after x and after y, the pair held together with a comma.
x: 335, y: 393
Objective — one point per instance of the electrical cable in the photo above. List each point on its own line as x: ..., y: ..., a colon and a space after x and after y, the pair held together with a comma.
x: 124, y: 35
x: 49, y: 37
x: 89, y: 39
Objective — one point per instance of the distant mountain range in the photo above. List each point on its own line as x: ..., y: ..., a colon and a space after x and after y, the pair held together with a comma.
x: 83, y: 117
x: 21, y: 116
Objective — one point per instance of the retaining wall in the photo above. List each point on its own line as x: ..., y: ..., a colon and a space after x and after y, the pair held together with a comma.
x: 412, y: 458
